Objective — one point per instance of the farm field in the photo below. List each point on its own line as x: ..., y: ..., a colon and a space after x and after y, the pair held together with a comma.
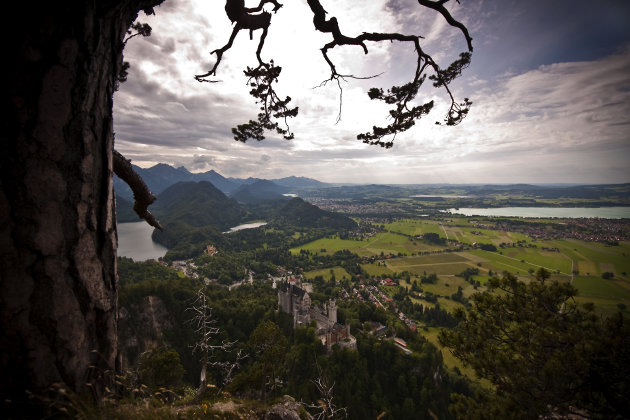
x: 447, y: 286
x: 487, y: 236
x: 441, y: 264
x: 596, y: 258
x: 521, y: 267
x: 415, y: 227
x: 327, y: 273
x: 375, y: 270
x: 565, y: 259
x: 386, y: 243
x: 330, y: 245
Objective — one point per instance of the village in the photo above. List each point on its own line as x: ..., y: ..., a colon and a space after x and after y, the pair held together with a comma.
x: 293, y: 298
x: 590, y: 230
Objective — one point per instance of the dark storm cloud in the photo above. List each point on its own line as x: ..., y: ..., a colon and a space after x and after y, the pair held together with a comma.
x: 149, y: 114
x: 517, y: 36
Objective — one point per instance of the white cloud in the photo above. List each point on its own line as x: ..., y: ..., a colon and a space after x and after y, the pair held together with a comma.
x: 564, y: 122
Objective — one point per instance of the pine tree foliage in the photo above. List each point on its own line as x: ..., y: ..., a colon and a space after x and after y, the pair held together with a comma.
x: 544, y: 354
x: 405, y: 112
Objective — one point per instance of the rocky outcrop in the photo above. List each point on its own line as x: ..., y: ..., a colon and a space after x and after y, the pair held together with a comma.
x: 141, y: 327
x: 288, y: 408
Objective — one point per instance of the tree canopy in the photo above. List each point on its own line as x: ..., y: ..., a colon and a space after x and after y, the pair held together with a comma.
x: 544, y: 354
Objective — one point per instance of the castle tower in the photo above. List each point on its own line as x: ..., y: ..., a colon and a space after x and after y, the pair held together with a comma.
x: 332, y: 312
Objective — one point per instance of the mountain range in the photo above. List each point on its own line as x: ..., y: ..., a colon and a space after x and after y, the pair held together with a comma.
x: 161, y: 176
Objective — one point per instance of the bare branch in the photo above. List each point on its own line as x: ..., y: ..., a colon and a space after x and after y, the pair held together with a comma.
x: 245, y: 18
x: 141, y: 194
x: 439, y: 7
x: 338, y: 78
x: 325, y: 407
x: 219, y: 52
x: 204, y: 327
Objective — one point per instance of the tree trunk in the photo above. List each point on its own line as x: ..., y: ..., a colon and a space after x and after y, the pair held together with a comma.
x: 58, y: 285
x: 203, y: 382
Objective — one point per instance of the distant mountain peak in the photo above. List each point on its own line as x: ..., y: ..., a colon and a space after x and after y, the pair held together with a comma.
x: 162, y: 175
x: 161, y: 166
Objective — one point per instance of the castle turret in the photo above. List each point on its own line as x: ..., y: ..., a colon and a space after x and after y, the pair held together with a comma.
x: 332, y: 312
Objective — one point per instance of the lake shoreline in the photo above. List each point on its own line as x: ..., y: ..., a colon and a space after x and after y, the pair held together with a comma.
x: 135, y: 242
x: 620, y: 212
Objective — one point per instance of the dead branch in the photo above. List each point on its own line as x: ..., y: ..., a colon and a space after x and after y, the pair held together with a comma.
x: 230, y: 367
x: 244, y: 18
x: 141, y: 194
x: 439, y: 7
x: 325, y: 407
x: 338, y: 78
x: 204, y: 326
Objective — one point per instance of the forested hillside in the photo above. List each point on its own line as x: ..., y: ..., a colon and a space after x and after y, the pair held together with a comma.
x: 194, y: 215
x: 376, y: 379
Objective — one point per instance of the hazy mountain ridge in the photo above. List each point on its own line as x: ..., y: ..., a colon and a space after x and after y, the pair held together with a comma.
x: 194, y: 214
x: 255, y: 190
x: 161, y: 176
x: 259, y: 191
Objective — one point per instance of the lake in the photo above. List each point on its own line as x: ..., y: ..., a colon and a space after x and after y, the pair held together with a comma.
x: 134, y: 241
x: 438, y: 196
x: 548, y: 212
x: 246, y: 226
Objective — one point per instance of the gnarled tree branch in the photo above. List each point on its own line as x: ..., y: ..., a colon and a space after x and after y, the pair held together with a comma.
x: 141, y: 194
x: 244, y: 18
x: 439, y: 7
x: 402, y: 115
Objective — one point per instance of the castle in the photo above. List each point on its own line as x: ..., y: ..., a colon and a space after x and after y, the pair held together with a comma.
x: 295, y: 300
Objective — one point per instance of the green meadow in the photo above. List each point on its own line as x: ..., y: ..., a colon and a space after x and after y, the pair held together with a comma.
x: 431, y: 334
x: 470, y: 235
x: 385, y: 243
x: 339, y: 272
x: 414, y: 227
x: 575, y: 260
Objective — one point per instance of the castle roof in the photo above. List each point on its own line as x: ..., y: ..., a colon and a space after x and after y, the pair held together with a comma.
x: 293, y: 289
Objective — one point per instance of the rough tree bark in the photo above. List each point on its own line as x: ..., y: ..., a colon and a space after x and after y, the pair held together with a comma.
x: 58, y: 285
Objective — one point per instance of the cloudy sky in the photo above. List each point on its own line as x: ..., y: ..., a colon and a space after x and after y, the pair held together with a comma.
x: 549, y: 81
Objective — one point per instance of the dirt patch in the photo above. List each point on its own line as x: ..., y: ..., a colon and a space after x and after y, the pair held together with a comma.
x: 228, y: 406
